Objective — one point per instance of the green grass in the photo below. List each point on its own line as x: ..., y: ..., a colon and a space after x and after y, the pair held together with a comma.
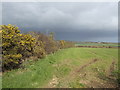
x: 39, y: 73
x: 75, y: 84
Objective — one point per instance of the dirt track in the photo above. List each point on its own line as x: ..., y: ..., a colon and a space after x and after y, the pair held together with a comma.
x: 82, y: 67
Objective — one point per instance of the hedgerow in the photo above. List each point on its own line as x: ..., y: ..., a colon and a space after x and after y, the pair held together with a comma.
x: 16, y: 47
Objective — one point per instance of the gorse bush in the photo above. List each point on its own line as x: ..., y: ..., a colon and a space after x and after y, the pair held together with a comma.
x: 65, y: 44
x: 16, y: 47
x: 39, y: 50
x: 62, y: 44
x: 0, y: 50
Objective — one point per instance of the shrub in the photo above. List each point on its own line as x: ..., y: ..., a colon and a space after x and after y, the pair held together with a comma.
x: 65, y: 44
x: 49, y: 42
x: 15, y: 46
x: 50, y: 45
x: 61, y: 44
x: 39, y: 50
x: 0, y: 49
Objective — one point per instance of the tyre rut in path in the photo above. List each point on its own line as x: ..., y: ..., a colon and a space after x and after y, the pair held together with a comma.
x: 53, y: 83
x: 76, y: 71
x: 94, y: 83
x: 82, y: 67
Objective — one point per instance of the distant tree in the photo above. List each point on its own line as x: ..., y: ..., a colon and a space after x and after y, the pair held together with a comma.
x: 51, y: 34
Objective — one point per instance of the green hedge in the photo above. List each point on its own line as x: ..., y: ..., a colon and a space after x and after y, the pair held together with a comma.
x: 16, y: 47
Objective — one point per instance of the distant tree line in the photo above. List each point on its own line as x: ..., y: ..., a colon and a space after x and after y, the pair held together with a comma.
x: 17, y: 47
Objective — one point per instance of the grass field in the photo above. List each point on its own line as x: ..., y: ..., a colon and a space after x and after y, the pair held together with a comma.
x: 97, y: 44
x: 68, y: 68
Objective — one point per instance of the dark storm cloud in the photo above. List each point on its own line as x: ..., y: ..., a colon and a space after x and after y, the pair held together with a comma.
x: 70, y: 21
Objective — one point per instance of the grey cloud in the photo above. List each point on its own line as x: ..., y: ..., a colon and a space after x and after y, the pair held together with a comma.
x: 76, y: 19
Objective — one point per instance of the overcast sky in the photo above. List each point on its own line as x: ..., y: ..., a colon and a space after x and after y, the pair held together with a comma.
x: 81, y: 21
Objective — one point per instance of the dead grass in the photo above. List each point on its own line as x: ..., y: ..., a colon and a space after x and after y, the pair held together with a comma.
x: 53, y: 82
